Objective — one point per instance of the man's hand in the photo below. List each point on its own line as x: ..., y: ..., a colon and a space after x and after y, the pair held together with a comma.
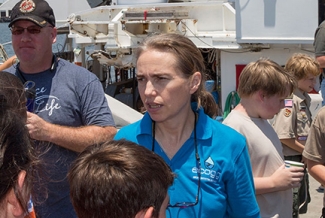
x: 37, y: 127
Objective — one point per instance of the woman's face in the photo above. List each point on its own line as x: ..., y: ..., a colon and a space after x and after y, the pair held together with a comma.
x: 165, y: 92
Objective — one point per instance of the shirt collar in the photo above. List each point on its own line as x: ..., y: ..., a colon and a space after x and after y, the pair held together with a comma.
x: 203, y: 128
x: 302, y: 96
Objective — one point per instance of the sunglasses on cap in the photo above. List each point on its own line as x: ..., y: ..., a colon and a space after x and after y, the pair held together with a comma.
x: 17, y: 30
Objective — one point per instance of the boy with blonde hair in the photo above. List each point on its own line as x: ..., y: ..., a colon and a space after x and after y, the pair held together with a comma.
x: 263, y: 86
x: 293, y: 122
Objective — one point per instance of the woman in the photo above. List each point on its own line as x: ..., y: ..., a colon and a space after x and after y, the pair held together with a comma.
x: 210, y: 160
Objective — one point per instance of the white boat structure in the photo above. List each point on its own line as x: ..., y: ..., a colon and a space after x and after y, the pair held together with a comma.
x: 230, y: 34
x: 61, y: 8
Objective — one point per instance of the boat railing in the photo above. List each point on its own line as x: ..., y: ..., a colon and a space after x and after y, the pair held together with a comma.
x: 3, y: 53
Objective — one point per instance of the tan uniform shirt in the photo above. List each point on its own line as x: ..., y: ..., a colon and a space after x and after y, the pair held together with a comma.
x: 315, y: 145
x: 265, y: 151
x: 293, y: 121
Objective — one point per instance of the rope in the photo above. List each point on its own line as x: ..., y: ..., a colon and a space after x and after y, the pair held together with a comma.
x: 231, y: 102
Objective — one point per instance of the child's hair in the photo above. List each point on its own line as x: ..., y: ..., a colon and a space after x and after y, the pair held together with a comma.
x: 118, y: 179
x: 13, y: 89
x: 266, y: 75
x: 300, y: 65
x: 16, y: 154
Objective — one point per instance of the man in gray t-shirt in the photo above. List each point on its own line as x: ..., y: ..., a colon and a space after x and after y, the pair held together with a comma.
x: 70, y: 112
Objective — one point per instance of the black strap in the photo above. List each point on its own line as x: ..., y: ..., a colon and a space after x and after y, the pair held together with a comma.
x: 20, y: 75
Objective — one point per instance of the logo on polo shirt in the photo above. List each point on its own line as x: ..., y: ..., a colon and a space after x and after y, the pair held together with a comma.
x: 207, y: 172
x: 209, y: 163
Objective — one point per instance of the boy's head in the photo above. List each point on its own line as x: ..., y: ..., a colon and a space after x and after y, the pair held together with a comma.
x: 119, y: 179
x: 267, y: 76
x: 305, y: 69
x: 263, y: 87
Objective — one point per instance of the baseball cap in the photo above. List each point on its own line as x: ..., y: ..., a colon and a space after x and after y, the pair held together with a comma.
x: 37, y: 11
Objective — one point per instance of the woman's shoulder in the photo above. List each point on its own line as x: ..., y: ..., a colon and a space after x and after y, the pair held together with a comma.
x: 130, y: 131
x: 222, y: 132
x: 127, y: 130
x: 227, y: 142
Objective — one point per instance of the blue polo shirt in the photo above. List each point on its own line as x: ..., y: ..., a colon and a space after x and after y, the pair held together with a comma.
x: 226, y: 187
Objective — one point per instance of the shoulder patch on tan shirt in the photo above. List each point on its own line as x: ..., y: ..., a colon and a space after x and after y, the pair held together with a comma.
x: 287, y: 112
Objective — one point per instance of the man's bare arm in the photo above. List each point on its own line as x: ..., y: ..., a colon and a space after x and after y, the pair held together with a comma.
x: 316, y: 170
x: 73, y: 138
